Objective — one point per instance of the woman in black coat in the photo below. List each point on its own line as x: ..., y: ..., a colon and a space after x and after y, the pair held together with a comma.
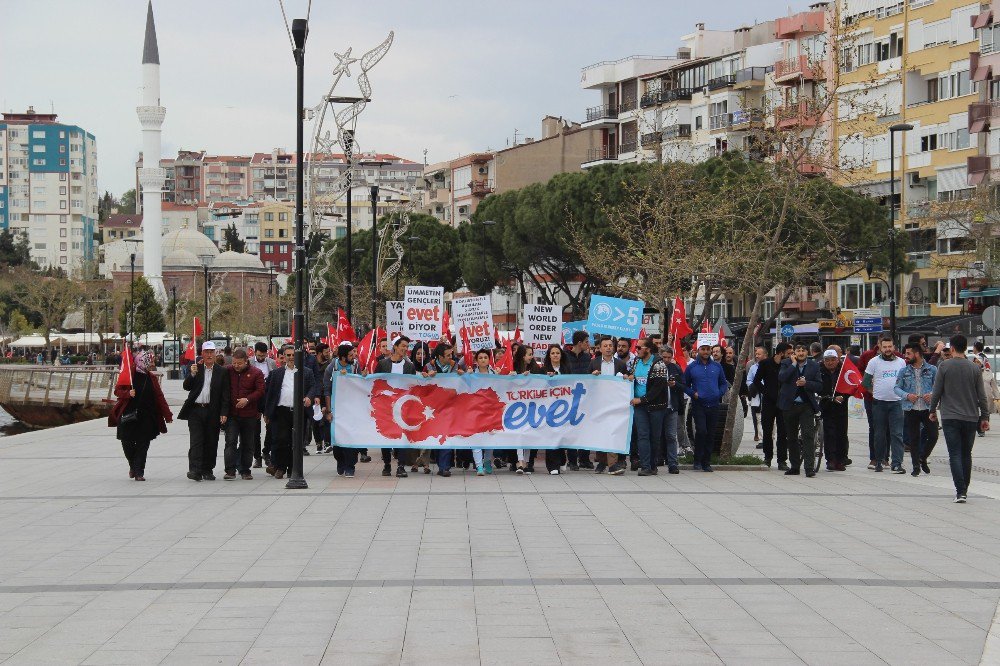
x: 144, y: 399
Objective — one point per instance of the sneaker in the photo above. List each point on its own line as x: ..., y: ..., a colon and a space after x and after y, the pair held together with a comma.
x: 964, y: 497
x: 444, y: 472
x: 519, y: 470
x: 208, y: 477
x: 707, y: 468
x: 319, y: 448
x: 247, y: 476
x: 328, y: 449
x: 810, y: 473
x: 601, y: 468
x: 480, y: 471
x: 848, y: 461
x: 959, y: 499
x: 414, y: 468
x: 871, y: 465
x: 554, y: 472
x: 634, y: 466
x: 340, y: 470
x: 530, y: 469
x: 792, y: 472
x: 782, y: 466
x: 645, y: 472
x: 586, y: 464
x: 387, y: 471
x: 365, y: 458
x: 878, y: 467
x: 617, y: 469
x: 759, y: 447
x: 279, y: 474
x: 915, y: 472
x: 229, y: 476
x: 898, y: 469
x: 401, y: 472
x: 194, y: 476
x: 673, y: 470
x: 269, y: 469
x: 256, y: 463
x: 925, y: 467
x: 349, y: 474
x: 767, y: 462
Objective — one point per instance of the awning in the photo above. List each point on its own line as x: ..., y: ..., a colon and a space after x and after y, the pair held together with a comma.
x: 979, y: 293
x: 983, y: 19
x: 976, y: 177
x: 982, y: 73
x: 978, y: 125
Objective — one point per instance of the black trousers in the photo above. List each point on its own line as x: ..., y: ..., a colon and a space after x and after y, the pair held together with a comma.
x: 241, y: 435
x: 203, y: 428
x: 281, y: 438
x: 135, y: 453
x: 555, y: 458
x: 835, y: 441
x: 921, y: 443
x: 769, y: 413
x: 800, y: 418
x: 347, y: 458
x: 403, y: 456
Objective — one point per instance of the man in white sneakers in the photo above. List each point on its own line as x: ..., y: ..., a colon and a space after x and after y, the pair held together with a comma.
x: 887, y: 410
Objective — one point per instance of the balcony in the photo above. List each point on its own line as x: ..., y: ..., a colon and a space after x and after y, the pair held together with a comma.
x: 978, y: 168
x: 804, y: 114
x: 600, y: 155
x: 979, y: 116
x: 751, y: 77
x: 651, y: 98
x: 603, y: 113
x: 794, y: 69
x: 743, y: 119
x: 672, y: 132
x: 722, y: 82
x: 650, y: 139
x: 810, y: 166
x: 722, y: 121
x: 480, y: 188
x: 627, y: 106
x: 676, y: 95
x: 803, y: 23
x: 628, y: 146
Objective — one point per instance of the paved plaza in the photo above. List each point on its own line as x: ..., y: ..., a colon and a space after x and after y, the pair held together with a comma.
x: 728, y: 568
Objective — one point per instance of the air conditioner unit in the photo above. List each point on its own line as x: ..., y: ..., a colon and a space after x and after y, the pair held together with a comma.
x: 462, y: 210
x: 482, y: 170
x: 978, y: 265
x: 915, y: 180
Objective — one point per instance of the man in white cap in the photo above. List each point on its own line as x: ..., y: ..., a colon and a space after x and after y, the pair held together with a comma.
x: 205, y: 409
x: 397, y: 362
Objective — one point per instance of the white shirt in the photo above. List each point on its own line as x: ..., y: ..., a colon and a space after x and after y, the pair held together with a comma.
x: 263, y: 366
x: 397, y: 367
x: 287, y: 396
x: 206, y: 389
x: 883, y: 374
x: 607, y: 367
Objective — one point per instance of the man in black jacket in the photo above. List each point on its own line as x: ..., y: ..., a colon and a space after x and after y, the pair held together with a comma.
x: 834, y: 406
x: 205, y: 409
x: 577, y: 360
x: 279, y: 406
x: 675, y: 399
x: 609, y: 364
x: 397, y: 362
x: 800, y: 381
x: 765, y: 384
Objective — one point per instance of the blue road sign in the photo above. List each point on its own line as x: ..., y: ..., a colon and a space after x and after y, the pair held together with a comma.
x: 787, y: 331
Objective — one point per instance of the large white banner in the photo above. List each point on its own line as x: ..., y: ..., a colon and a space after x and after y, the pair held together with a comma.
x: 423, y: 308
x: 542, y: 327
x: 474, y: 316
x: 393, y: 317
x: 473, y: 411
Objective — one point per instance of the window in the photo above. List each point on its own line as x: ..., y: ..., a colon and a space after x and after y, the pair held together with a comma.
x: 269, y: 217
x: 955, y: 245
x: 37, y: 149
x: 928, y: 143
x: 284, y: 265
x: 62, y: 233
x: 697, y: 122
x: 282, y: 217
x: 944, y: 291
x: 62, y: 205
x: 38, y: 134
x: 62, y: 191
x: 62, y: 178
x: 282, y: 233
x: 854, y: 295
x: 268, y: 233
x: 62, y: 247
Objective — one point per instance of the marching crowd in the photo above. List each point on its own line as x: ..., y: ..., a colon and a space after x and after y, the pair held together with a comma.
x: 247, y: 397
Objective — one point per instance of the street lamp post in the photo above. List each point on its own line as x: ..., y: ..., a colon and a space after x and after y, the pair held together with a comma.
x: 373, y: 187
x: 899, y: 127
x: 296, y: 480
x: 131, y: 299
x: 348, y: 152
x: 206, y: 261
x: 177, y: 346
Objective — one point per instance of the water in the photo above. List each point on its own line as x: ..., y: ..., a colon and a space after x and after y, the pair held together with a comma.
x: 10, y: 426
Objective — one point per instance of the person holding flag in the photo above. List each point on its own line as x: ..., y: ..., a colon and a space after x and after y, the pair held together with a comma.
x: 396, y: 363
x: 140, y: 413
x: 206, y: 410
x: 833, y: 405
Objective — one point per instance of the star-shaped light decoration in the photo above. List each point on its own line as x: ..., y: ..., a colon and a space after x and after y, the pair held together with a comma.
x: 344, y: 61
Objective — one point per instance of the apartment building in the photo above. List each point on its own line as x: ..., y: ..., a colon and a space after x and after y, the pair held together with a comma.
x: 277, y: 234
x: 48, y: 187
x: 912, y: 62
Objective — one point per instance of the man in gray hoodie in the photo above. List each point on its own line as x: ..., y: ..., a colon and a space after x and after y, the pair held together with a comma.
x: 961, y: 396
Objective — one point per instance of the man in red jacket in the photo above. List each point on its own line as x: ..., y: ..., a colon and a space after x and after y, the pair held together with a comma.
x: 246, y: 388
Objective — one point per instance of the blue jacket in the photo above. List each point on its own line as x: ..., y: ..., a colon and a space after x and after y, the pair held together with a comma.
x: 788, y: 374
x: 708, y: 380
x: 906, y: 383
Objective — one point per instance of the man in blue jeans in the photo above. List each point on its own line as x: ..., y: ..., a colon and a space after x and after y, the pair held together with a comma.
x: 648, y: 404
x: 887, y: 410
x: 961, y: 396
x: 705, y: 381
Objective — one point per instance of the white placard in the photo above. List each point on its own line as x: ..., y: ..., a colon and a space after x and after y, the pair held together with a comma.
x: 423, y: 308
x: 475, y: 316
x: 708, y: 339
x: 542, y: 327
x: 393, y: 317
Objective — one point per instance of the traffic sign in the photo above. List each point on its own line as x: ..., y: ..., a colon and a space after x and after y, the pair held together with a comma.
x: 868, y: 321
x: 991, y: 317
x: 787, y: 331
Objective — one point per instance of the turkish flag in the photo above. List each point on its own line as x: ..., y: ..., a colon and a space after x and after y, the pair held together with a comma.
x: 679, y: 329
x: 424, y: 411
x: 125, y: 369
x: 706, y: 326
x: 517, y: 334
x: 467, y: 349
x: 197, y: 328
x: 446, y: 324
x: 505, y: 365
x: 273, y: 351
x: 192, y: 348
x: 368, y: 349
x: 849, y: 380
x: 642, y: 336
x: 331, y: 336
x: 345, y: 332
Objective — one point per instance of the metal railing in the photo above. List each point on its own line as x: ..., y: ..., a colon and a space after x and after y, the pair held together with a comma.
x: 628, y: 146
x: 721, y: 81
x: 752, y: 74
x: 677, y: 132
x: 602, y: 153
x: 609, y: 111
x: 57, y: 387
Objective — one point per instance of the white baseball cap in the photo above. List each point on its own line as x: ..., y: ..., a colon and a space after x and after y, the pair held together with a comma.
x: 830, y: 353
x: 208, y: 345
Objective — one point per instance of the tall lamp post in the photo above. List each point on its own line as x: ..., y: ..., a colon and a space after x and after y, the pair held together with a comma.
x: 272, y: 286
x: 373, y: 187
x: 348, y: 152
x: 300, y: 30
x: 206, y: 261
x: 177, y: 346
x: 131, y: 298
x: 898, y: 127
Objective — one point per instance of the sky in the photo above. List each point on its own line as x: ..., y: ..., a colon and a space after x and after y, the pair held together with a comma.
x: 460, y: 76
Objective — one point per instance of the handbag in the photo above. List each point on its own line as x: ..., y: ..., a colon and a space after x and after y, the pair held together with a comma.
x: 131, y: 417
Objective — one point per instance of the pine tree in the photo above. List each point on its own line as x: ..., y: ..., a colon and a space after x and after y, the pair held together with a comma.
x: 148, y: 313
x: 231, y: 240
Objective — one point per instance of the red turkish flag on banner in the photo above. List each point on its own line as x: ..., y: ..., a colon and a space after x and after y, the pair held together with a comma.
x: 428, y: 410
x: 849, y: 379
x: 679, y: 329
x: 722, y: 339
x: 273, y: 351
x: 345, y: 332
x: 446, y: 324
x: 197, y: 328
x: 125, y: 369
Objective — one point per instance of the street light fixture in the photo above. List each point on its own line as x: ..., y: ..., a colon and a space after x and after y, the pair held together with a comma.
x: 898, y: 127
x: 206, y: 262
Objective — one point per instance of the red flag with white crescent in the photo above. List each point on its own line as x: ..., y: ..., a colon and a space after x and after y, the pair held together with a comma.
x: 849, y: 380
x: 125, y: 369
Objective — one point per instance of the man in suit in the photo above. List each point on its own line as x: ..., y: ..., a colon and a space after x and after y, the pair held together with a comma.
x: 279, y: 406
x: 609, y: 364
x: 765, y: 385
x: 800, y: 380
x: 399, y: 363
x: 206, y: 410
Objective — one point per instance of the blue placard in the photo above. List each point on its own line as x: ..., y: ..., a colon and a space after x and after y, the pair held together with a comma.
x: 787, y: 331
x: 569, y: 328
x: 615, y: 316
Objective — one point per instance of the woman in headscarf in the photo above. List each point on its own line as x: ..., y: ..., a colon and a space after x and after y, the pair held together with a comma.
x: 140, y: 414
